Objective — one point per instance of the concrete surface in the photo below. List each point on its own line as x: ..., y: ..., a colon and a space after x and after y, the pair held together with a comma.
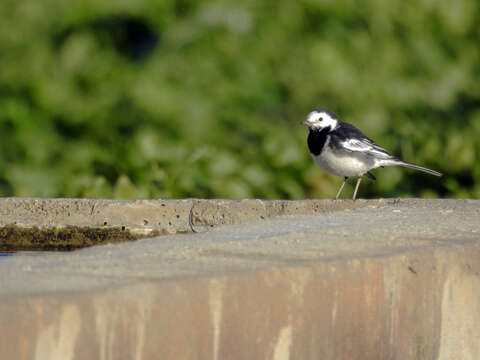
x: 146, y: 216
x: 377, y: 279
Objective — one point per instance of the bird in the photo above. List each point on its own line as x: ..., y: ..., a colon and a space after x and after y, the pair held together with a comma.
x: 341, y: 149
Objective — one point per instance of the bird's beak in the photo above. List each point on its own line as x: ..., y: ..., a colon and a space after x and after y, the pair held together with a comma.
x: 304, y: 122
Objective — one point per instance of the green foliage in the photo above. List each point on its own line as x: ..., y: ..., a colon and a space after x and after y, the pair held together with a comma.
x: 149, y: 99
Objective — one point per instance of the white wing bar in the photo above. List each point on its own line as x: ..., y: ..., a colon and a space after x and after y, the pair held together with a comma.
x: 367, y: 147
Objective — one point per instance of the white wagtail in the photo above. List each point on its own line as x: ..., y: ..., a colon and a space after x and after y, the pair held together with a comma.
x: 341, y: 149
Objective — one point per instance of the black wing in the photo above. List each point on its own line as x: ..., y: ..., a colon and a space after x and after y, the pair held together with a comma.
x: 352, y: 139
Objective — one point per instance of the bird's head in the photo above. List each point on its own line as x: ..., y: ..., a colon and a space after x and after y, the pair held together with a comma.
x: 321, y: 119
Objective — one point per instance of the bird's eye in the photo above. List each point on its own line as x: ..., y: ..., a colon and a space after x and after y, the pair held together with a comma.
x: 320, y: 119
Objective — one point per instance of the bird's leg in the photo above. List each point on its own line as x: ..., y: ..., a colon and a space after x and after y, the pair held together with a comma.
x: 341, y: 188
x: 356, y: 187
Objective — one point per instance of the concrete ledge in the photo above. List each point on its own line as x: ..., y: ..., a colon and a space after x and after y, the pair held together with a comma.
x: 146, y: 216
x: 380, y: 279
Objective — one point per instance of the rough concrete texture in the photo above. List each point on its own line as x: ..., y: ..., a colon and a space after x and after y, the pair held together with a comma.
x: 145, y: 216
x: 380, y: 279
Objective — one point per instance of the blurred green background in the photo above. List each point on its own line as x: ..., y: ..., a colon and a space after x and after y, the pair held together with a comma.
x: 172, y: 99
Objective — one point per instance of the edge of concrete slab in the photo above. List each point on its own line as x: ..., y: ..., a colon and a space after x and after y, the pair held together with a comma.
x: 170, y: 216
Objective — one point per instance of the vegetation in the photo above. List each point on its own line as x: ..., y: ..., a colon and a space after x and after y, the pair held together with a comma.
x: 171, y: 99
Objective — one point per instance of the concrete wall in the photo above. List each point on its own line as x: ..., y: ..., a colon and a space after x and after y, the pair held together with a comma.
x: 378, y: 280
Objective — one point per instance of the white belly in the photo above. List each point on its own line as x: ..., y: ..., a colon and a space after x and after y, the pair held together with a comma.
x: 340, y: 165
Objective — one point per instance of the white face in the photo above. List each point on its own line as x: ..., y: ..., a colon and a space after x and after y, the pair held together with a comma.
x: 318, y: 120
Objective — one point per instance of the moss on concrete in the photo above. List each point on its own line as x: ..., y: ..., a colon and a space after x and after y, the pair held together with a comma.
x: 15, y: 238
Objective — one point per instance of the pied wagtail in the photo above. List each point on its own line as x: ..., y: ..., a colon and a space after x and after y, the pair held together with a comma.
x: 341, y: 149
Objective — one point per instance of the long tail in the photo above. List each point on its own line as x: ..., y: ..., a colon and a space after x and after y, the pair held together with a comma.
x: 412, y: 166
